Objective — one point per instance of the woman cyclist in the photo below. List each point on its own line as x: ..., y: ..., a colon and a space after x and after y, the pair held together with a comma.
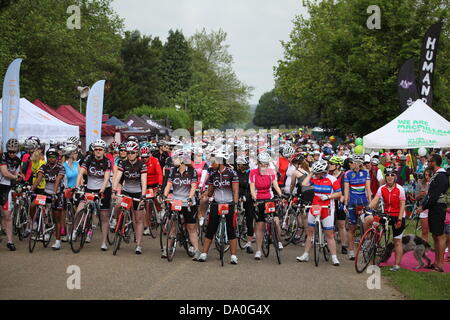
x: 134, y: 174
x: 262, y: 179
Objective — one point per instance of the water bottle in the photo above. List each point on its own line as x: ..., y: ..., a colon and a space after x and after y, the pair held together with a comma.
x: 89, y: 236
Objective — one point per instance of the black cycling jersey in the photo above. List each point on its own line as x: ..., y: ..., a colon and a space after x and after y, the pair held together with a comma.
x: 222, y: 182
x: 12, y: 165
x: 96, y: 170
x: 132, y: 175
x: 244, y: 186
x: 50, y: 174
x: 181, y: 183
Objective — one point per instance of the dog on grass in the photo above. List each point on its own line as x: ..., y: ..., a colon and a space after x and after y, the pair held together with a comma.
x: 413, y: 243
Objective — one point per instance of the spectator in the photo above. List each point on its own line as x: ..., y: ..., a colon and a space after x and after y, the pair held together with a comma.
x: 436, y: 204
x: 422, y: 164
x: 403, y: 172
x: 422, y: 190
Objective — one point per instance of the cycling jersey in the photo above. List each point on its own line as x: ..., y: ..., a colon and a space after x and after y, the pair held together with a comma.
x: 392, y: 198
x: 154, y: 172
x: 50, y: 174
x: 182, y: 182
x: 70, y: 179
x: 283, y: 165
x: 132, y: 175
x: 96, y: 170
x: 222, y: 182
x: 325, y: 186
x: 263, y: 183
x: 357, y: 183
x: 26, y: 167
x: 35, y: 166
x: 288, y: 179
x: 12, y: 165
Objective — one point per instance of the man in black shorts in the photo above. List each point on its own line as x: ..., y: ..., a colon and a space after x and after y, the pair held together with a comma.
x: 436, y: 204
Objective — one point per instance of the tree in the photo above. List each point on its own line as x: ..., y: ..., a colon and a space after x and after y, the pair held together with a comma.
x: 176, y: 73
x: 343, y: 75
x: 272, y: 111
x: 56, y: 58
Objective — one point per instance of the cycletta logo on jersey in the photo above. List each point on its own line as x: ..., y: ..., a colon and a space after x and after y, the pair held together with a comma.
x: 221, y: 184
x: 96, y: 173
x: 180, y: 181
x: 49, y: 178
x: 131, y: 175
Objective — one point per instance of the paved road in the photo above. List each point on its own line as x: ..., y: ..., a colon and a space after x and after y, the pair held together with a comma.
x: 42, y: 275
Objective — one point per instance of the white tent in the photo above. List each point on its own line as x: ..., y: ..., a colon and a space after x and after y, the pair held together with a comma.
x: 418, y: 126
x: 34, y: 121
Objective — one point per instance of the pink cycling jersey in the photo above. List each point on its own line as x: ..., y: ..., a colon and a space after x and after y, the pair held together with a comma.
x: 263, y: 183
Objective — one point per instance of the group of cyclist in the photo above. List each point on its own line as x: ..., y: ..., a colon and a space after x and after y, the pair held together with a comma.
x: 331, y: 177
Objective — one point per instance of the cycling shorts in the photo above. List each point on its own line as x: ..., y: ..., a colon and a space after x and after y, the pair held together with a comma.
x: 327, y: 223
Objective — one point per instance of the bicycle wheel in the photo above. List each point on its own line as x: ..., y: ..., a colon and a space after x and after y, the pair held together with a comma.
x: 366, y: 250
x: 288, y: 234
x: 15, y: 220
x: 266, y: 243
x: 359, y: 232
x: 275, y: 240
x: 381, y: 246
x: 241, y: 231
x: 48, y: 229
x: 153, y: 227
x: 316, y: 244
x: 77, y: 231
x: 35, y: 232
x: 171, y: 238
x: 118, y: 235
x: 22, y: 220
x: 326, y: 252
x: 163, y: 231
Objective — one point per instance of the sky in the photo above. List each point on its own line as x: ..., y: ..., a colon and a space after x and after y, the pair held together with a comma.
x: 254, y: 27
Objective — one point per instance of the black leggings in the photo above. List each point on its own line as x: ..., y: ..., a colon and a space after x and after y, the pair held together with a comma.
x: 214, y: 220
x: 249, y: 217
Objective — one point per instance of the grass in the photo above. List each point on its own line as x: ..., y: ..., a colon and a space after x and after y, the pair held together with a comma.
x: 420, y: 285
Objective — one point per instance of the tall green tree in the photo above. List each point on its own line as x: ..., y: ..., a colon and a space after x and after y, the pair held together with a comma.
x: 57, y: 59
x: 272, y: 111
x: 176, y: 73
x: 343, y: 75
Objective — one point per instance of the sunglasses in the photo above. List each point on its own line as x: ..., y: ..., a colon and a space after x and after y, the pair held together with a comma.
x: 52, y: 157
x: 131, y: 152
x: 98, y: 149
x: 390, y: 175
x: 12, y: 152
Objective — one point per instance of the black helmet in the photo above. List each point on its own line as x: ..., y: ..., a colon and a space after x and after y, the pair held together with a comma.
x: 132, y: 138
x: 51, y: 152
x: 12, y: 145
x: 389, y: 170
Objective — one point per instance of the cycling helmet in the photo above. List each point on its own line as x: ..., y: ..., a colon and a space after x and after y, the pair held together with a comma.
x: 73, y: 140
x: 132, y: 138
x: 366, y: 158
x: 326, y: 158
x: 264, y: 157
x: 389, y: 170
x: 319, y: 166
x: 51, y: 152
x: 30, y: 144
x: 132, y: 146
x: 35, y: 139
x: 69, y: 148
x: 242, y: 160
x: 99, y: 144
x: 220, y: 153
x: 298, y: 157
x: 327, y: 151
x: 113, y: 146
x: 145, y: 151
x: 288, y: 151
x: 91, y: 146
x: 12, y: 145
x: 337, y: 160
x: 162, y: 143
x: 358, y: 158
x: 375, y: 161
x: 123, y: 146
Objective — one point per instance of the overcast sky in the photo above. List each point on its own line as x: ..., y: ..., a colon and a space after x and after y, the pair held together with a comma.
x: 254, y: 28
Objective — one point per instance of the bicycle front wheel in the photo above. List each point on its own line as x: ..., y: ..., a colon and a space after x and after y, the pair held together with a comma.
x: 365, y: 251
x: 171, y: 239
x: 275, y: 240
x: 35, y: 232
x: 77, y: 232
x: 242, y: 231
x: 316, y: 244
x: 291, y: 228
x: 118, y: 235
x: 266, y: 243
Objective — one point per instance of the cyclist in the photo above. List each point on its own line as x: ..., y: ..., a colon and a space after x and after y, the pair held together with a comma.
x: 110, y: 155
x: 122, y: 156
x: 283, y: 164
x: 334, y: 169
x: 243, y: 172
x: 394, y: 199
x: 71, y: 167
x: 134, y: 172
x: 223, y: 184
x: 30, y: 146
x: 262, y: 180
x: 356, y: 193
x: 9, y: 172
x: 53, y: 173
x: 376, y: 176
x: 97, y: 168
x: 154, y: 180
x: 183, y: 182
x: 326, y: 188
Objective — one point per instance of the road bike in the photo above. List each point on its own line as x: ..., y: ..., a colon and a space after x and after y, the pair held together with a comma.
x: 42, y: 224
x: 124, y: 226
x: 173, y: 230
x: 271, y: 235
x: 21, y: 196
x: 292, y: 225
x: 373, y: 243
x: 151, y: 198
x: 319, y: 242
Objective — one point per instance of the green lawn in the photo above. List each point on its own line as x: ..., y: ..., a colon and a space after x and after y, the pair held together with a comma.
x: 419, y: 285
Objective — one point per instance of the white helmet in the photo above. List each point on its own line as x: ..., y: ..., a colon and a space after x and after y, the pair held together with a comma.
x: 264, y: 157
x: 99, y: 144
x: 69, y: 148
x: 319, y: 166
x: 288, y: 151
x: 375, y: 161
x: 358, y: 158
x: 30, y: 144
x: 73, y: 140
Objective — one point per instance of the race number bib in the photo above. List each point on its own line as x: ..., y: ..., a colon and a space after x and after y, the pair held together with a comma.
x: 40, y: 200
x: 126, y: 202
x: 223, y: 209
x: 270, y: 207
x: 316, y: 210
x: 89, y: 196
x: 150, y: 193
x: 177, y: 205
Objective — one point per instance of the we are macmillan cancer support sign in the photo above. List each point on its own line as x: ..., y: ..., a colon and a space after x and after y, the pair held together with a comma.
x: 414, y: 126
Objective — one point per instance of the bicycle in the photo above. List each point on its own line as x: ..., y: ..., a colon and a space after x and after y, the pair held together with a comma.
x: 290, y: 227
x: 124, y: 225
x: 373, y: 243
x: 42, y: 224
x: 82, y: 223
x: 319, y: 242
x: 271, y: 235
x: 21, y: 206
x: 221, y: 238
x: 173, y: 230
x: 241, y: 222
x: 150, y: 205
x: 70, y: 209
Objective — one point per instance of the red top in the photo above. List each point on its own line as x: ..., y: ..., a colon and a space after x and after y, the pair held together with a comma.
x: 263, y: 183
x: 283, y: 165
x: 110, y: 157
x: 154, y: 172
x: 392, y: 198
